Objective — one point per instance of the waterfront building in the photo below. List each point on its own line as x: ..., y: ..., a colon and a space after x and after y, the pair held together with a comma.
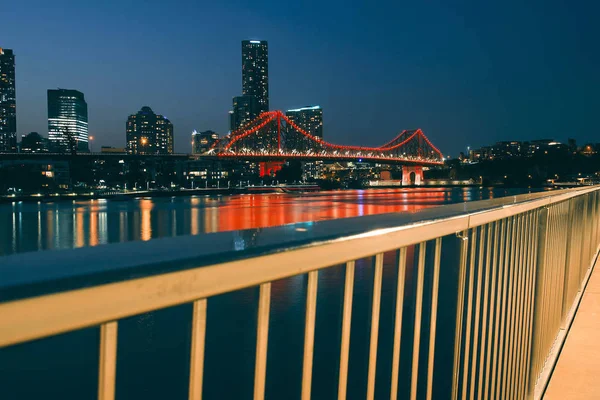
x: 8, y: 107
x: 255, y: 72
x: 203, y: 141
x: 67, y: 121
x: 149, y: 133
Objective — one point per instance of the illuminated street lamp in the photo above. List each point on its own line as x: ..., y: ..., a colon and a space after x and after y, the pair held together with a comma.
x: 91, y: 138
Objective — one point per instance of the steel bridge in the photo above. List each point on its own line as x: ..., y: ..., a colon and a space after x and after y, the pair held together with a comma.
x: 272, y: 136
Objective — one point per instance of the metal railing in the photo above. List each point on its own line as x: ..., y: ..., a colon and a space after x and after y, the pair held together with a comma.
x: 523, y: 263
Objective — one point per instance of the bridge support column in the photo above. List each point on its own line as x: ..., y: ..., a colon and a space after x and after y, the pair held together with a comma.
x: 412, y: 175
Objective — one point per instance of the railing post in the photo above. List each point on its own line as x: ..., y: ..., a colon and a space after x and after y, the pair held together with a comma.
x: 460, y: 303
x: 568, y: 261
x: 107, y: 371
x: 537, y: 300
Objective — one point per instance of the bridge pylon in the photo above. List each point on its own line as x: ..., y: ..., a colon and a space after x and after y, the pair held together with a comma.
x: 412, y: 175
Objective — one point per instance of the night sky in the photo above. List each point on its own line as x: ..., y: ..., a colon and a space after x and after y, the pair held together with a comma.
x: 468, y: 73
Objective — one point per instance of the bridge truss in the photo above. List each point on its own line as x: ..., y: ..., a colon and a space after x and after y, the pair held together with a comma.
x: 273, y: 136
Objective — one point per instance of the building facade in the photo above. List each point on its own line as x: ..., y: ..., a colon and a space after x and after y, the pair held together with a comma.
x: 255, y: 72
x: 8, y: 107
x: 149, y: 133
x: 245, y: 109
x: 33, y: 142
x: 203, y: 141
x: 67, y: 121
x: 309, y: 119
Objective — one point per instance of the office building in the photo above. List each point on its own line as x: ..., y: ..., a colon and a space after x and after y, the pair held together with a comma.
x: 8, y: 108
x: 203, y: 141
x: 255, y: 72
x: 149, y: 133
x: 67, y: 121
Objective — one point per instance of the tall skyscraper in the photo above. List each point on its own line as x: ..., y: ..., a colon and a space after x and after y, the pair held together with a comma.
x: 244, y: 111
x: 8, y: 108
x: 67, y: 121
x: 255, y: 72
x: 149, y: 133
x: 203, y: 141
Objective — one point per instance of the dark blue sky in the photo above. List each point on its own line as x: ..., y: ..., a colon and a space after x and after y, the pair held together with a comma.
x: 467, y: 73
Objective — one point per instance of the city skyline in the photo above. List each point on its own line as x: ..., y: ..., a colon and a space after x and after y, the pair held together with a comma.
x: 459, y: 83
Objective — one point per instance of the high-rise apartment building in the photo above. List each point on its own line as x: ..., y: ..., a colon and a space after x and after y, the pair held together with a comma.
x: 310, y: 119
x: 67, y: 121
x: 244, y: 111
x: 149, y: 133
x: 8, y: 108
x: 255, y: 72
x: 203, y: 141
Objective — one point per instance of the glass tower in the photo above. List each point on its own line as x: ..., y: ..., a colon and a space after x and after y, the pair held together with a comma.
x: 67, y: 121
x: 255, y: 72
x: 8, y: 110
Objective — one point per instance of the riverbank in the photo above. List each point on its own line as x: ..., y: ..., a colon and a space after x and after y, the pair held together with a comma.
x: 124, y: 196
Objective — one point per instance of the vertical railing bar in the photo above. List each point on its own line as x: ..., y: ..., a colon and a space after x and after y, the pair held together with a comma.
x: 506, y: 316
x: 547, y: 299
x: 197, y: 349
x: 374, y: 326
x: 569, y: 259
x: 309, y: 333
x: 506, y: 267
x: 433, y: 322
x: 499, y: 304
x: 346, y: 323
x: 584, y: 244
x: 262, y: 338
x: 543, y: 295
x: 524, y: 261
x: 398, y: 322
x: 107, y: 368
x: 480, y: 268
x: 507, y: 380
x: 530, y: 303
x: 462, y: 271
x: 523, y: 309
x: 486, y: 294
x: 469, y: 312
x: 418, y: 314
x: 519, y: 304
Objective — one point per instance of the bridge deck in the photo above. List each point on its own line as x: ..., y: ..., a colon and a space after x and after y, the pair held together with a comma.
x: 577, y: 372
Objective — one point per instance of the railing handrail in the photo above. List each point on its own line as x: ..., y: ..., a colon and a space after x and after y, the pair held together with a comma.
x: 537, y: 249
x: 27, y: 274
x: 80, y: 305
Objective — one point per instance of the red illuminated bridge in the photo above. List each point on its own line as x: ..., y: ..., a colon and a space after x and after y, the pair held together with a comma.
x: 274, y: 137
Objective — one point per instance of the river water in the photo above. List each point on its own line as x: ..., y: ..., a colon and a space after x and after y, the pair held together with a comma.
x: 153, y: 348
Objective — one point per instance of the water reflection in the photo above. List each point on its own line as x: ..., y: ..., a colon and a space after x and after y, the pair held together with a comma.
x: 58, y: 225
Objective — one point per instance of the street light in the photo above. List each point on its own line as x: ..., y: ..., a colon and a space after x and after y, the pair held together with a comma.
x: 91, y: 138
